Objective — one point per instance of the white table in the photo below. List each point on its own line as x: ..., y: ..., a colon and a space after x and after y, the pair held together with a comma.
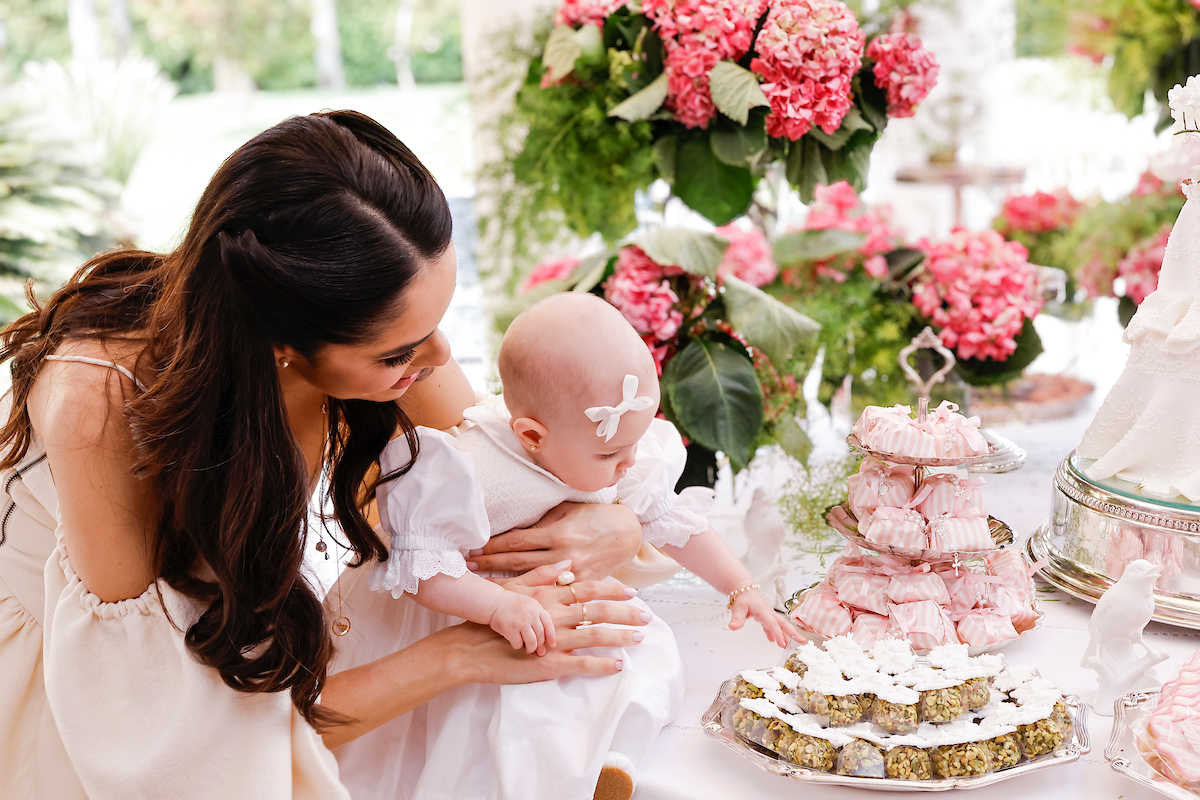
x: 687, y: 763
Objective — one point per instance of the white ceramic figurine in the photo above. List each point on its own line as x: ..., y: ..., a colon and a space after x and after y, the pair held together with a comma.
x: 1115, y: 634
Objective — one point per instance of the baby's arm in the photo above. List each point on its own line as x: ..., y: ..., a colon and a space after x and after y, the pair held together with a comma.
x: 518, y: 618
x: 707, y: 555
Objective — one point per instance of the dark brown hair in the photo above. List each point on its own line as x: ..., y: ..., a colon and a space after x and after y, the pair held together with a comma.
x: 308, y: 235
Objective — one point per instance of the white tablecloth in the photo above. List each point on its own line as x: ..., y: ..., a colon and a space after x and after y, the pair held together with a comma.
x: 687, y: 763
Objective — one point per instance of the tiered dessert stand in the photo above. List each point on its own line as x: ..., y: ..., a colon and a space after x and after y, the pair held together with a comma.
x: 842, y: 519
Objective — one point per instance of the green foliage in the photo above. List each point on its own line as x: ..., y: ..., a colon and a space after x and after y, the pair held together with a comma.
x: 986, y: 372
x: 710, y: 186
x: 1042, y: 27
x: 710, y: 390
x: 54, y: 203
x: 36, y: 30
x: 767, y: 324
x: 437, y: 42
x: 816, y: 489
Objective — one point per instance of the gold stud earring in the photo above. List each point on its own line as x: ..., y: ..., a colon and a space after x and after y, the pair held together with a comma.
x: 533, y: 448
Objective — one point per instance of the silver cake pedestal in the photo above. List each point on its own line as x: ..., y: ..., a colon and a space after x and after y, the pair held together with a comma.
x: 1097, y: 527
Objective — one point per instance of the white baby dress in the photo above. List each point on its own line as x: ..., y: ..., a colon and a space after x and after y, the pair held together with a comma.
x: 542, y: 740
x: 1148, y: 429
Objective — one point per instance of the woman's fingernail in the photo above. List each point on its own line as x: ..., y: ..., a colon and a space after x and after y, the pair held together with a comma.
x: 638, y: 636
x: 620, y: 665
x: 646, y: 616
x: 559, y: 565
x: 630, y: 592
x: 471, y: 565
x: 478, y: 551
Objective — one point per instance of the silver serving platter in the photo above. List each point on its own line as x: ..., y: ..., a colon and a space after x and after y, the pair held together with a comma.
x: 1129, y: 717
x: 853, y: 441
x: 716, y: 724
x: 842, y: 520
x: 1081, y: 544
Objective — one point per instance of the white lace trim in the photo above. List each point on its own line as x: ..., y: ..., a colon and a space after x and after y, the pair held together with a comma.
x: 680, y: 520
x: 414, y: 559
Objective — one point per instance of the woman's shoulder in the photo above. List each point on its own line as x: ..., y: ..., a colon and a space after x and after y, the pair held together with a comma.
x: 80, y: 381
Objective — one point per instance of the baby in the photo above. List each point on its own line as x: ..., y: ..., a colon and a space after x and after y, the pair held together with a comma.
x: 576, y: 423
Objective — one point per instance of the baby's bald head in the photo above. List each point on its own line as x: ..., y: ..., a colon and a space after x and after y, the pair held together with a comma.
x: 567, y: 353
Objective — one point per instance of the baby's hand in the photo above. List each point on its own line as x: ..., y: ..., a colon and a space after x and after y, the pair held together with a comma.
x: 752, y: 604
x: 524, y: 622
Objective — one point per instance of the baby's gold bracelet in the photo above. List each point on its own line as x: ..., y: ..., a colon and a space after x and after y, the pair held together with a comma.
x: 734, y: 594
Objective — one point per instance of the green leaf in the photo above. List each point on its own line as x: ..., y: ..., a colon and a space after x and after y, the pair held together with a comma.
x: 735, y: 91
x: 665, y: 148
x: 590, y: 272
x: 695, y: 252
x: 562, y: 50
x: 901, y: 260
x: 987, y: 372
x: 851, y: 162
x: 852, y: 123
x: 640, y: 106
x: 716, y: 398
x: 741, y: 147
x: 771, y: 326
x: 792, y: 438
x: 1126, y: 308
x: 815, y: 245
x: 871, y: 100
x: 712, y: 188
x: 806, y: 167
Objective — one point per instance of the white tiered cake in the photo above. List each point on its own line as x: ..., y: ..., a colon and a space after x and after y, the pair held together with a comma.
x: 1148, y: 430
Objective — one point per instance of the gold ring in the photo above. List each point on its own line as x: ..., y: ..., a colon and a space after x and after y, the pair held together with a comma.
x: 572, y: 590
x: 584, y: 621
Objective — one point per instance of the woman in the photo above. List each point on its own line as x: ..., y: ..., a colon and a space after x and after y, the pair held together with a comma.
x: 170, y: 417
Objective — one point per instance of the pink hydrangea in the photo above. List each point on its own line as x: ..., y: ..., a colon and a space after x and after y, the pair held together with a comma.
x: 553, y: 270
x: 696, y: 34
x: 808, y: 52
x: 658, y: 352
x: 1141, y: 265
x: 748, y: 256
x: 904, y: 69
x: 839, y: 206
x: 1040, y: 212
x: 641, y: 291
x: 978, y: 289
x: 1096, y: 277
x: 578, y: 13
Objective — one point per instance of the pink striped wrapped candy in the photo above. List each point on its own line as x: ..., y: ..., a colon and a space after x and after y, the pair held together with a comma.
x: 861, y: 587
x: 896, y: 527
x: 969, y: 589
x: 956, y: 436
x: 924, y: 623
x: 821, y: 611
x: 869, y: 628
x: 961, y: 533
x: 895, y: 432
x: 1012, y: 568
x: 1008, y: 601
x: 918, y: 583
x: 948, y: 493
x: 984, y: 627
x: 879, y: 484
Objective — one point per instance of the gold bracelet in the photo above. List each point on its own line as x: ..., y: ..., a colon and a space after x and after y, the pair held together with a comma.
x: 734, y: 594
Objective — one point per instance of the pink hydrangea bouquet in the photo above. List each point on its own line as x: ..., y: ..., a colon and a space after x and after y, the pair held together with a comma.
x: 979, y: 291
x: 1038, y: 221
x: 1140, y: 267
x: 706, y: 94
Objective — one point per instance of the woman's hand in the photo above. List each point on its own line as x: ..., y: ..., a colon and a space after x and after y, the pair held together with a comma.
x: 596, y: 539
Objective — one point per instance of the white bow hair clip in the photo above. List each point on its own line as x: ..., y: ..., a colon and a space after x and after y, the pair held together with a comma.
x: 610, y: 417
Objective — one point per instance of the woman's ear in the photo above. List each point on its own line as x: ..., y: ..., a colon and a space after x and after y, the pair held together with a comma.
x: 530, y: 433
x: 285, y: 355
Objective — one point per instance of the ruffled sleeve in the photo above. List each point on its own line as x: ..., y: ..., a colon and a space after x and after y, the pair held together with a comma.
x: 141, y: 718
x: 649, y: 489
x: 433, y: 513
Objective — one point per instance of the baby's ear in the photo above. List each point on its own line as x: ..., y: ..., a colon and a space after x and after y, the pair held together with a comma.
x: 529, y: 432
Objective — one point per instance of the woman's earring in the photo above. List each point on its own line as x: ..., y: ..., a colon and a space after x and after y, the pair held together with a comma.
x: 533, y: 448
x: 283, y: 362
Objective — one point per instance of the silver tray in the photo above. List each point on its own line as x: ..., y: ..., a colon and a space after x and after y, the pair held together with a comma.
x: 1129, y: 716
x: 842, y: 520
x: 853, y: 441
x: 1088, y: 523
x: 715, y: 723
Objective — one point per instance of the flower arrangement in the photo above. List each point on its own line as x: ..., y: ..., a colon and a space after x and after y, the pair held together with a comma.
x: 1037, y: 221
x: 727, y: 353
x: 1140, y: 267
x: 706, y: 94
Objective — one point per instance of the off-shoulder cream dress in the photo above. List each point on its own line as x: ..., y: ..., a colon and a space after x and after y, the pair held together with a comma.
x: 104, y: 701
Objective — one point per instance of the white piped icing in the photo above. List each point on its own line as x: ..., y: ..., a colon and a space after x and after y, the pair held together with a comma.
x: 1010, y: 714
x: 759, y: 679
x: 812, y: 656
x: 927, y: 679
x: 1013, y: 676
x: 832, y: 735
x: 949, y: 656
x: 783, y: 701
x: 893, y: 655
x: 785, y: 676
x: 761, y: 706
x: 960, y: 731
x: 883, y: 688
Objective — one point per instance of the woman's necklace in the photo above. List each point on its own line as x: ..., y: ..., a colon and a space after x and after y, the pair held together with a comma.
x: 340, y: 625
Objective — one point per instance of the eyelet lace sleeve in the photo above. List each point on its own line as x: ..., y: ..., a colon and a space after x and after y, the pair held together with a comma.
x: 649, y: 490
x: 433, y: 513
